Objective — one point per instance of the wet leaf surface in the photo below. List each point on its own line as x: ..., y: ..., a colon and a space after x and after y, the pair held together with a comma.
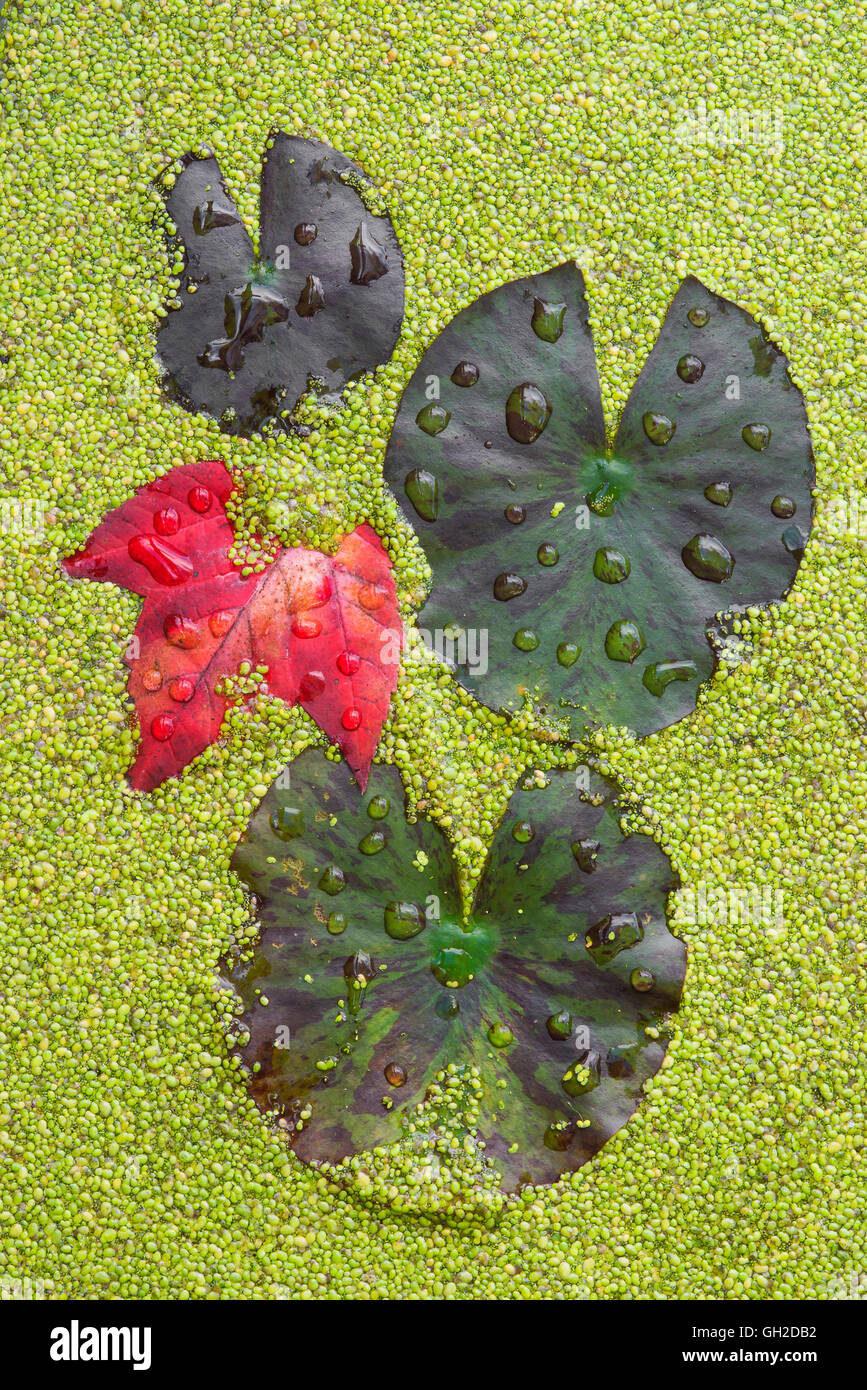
x: 595, y: 574
x: 375, y: 982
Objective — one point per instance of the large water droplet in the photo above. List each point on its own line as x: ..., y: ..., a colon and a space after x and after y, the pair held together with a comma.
x: 611, y: 566
x: 447, y: 1006
x: 287, y: 822
x: 547, y: 320
x: 348, y: 663
x: 404, y: 920
x: 658, y: 428
x: 719, y: 493
x: 422, y: 491
x: 527, y: 413
x: 465, y: 374
x: 523, y: 832
x: 395, y: 1074
x: 499, y: 1035
x: 162, y: 562
x: 757, y: 436
x: 560, y: 1026
x: 795, y: 540
x: 661, y: 673
x: 222, y: 622
x: 199, y: 498
x: 311, y: 298
x: 162, y: 727
x: 182, y: 689
x: 351, y: 718
x: 247, y: 313
x: 602, y: 499
x: 642, y: 979
x: 373, y: 842
x: 585, y: 852
x: 359, y: 967
x: 621, y: 1059
x: 508, y: 586
x: 367, y: 256
x: 783, y: 506
x: 433, y: 418
x: 690, y: 368
x: 698, y: 317
x: 515, y: 513
x: 708, y: 558
x: 167, y: 522
x: 378, y: 808
x: 624, y: 641
x: 525, y: 640
x: 337, y: 923
x: 453, y: 967
x: 583, y: 1075
x: 332, y: 880
x: 305, y: 233
x: 547, y: 554
x: 206, y: 217
x: 311, y: 686
x: 182, y: 632
x: 568, y: 653
x: 612, y: 935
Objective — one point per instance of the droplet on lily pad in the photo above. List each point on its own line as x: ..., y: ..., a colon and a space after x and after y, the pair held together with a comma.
x: 547, y: 554
x: 465, y: 374
x: 287, y: 823
x: 757, y: 436
x: 421, y: 489
x: 583, y: 1075
x: 508, y: 586
x: 658, y: 428
x: 612, y: 935
x: 525, y: 640
x: 372, y: 842
x: 624, y: 641
x: 661, y: 673
x: 332, y: 881
x: 433, y: 418
x: 698, y: 317
x: 404, y: 920
x: 560, y: 1026
x: 719, y: 493
x: 690, y: 368
x: 527, y: 413
x: 783, y: 507
x: 568, y: 653
x: 708, y: 558
x: 547, y: 320
x: 611, y: 566
x: 499, y: 1035
x: 453, y: 967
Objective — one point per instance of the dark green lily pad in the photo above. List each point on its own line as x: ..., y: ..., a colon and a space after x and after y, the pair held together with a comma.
x: 596, y: 573
x: 323, y: 298
x: 557, y: 987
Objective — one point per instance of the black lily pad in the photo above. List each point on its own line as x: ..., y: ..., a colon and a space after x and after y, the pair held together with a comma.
x: 556, y: 987
x: 594, y: 574
x: 323, y: 299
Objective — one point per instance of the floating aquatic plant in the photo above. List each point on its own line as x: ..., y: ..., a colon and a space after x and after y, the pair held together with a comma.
x: 556, y: 984
x: 597, y: 572
x: 320, y: 297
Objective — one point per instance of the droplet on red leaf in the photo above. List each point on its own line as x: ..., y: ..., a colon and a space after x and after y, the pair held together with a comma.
x: 199, y: 499
x: 221, y: 623
x: 163, y: 726
x: 311, y: 685
x: 370, y: 597
x: 348, y: 663
x: 306, y: 627
x: 182, y: 688
x: 182, y: 632
x: 351, y: 718
x: 152, y: 680
x: 166, y: 521
x: 162, y: 561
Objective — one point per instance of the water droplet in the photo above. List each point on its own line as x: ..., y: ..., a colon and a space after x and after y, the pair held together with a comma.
x: 373, y: 842
x: 527, y: 413
x: 783, y: 507
x: 515, y: 513
x: 182, y: 688
x: 199, y: 498
x: 794, y: 539
x: 698, y: 317
x: 162, y: 562
x: 602, y: 499
x: 558, y: 1136
x: 568, y: 653
x: 222, y: 622
x: 583, y: 1075
x: 523, y: 832
x: 525, y: 640
x: 612, y: 935
x: 348, y: 663
x: 351, y: 718
x: 287, y: 823
x: 499, y: 1035
x: 560, y: 1026
x: 690, y: 368
x: 621, y: 1059
x: 403, y: 921
x: 163, y: 726
x: 642, y: 979
x: 447, y: 1006
x: 305, y: 233
x: 547, y: 554
x: 246, y: 315
x: 433, y: 418
x: 311, y: 299
x: 658, y: 428
x: 311, y: 685
x: 624, y: 641
x: 395, y: 1074
x: 719, y: 493
x: 306, y: 627
x: 453, y: 967
x: 332, y: 881
x: 206, y: 217
x: 585, y: 852
x: 508, y: 586
x: 465, y: 374
x: 167, y: 522
x: 422, y: 491
x: 367, y: 256
x: 378, y: 808
x: 371, y: 597
x: 547, y: 320
x: 337, y: 923
x: 359, y: 967
x: 152, y: 680
x: 182, y: 632
x: 707, y: 558
x: 611, y: 566
x: 757, y: 436
x: 661, y: 673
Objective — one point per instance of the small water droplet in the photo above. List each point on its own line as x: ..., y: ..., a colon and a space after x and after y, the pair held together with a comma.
x: 311, y: 685
x: 642, y: 979
x: 698, y: 317
x: 422, y: 491
x: 658, y: 428
x: 351, y: 718
x: 371, y: 597
x: 783, y: 507
x: 560, y: 1026
x: 547, y: 320
x: 162, y: 562
x: 378, y: 808
x: 621, y: 1059
x: 337, y: 923
x: 547, y: 554
x: 404, y: 920
x: 182, y: 632
x: 708, y: 558
x: 167, y: 521
x: 453, y: 967
x: 287, y: 822
x: 559, y: 1136
x: 206, y: 217
x: 660, y: 674
x: 305, y: 233
x: 719, y: 493
x: 433, y: 418
x: 612, y: 935
x: 690, y: 368
x: 332, y: 881
x: 465, y: 374
x: 515, y: 513
x: 373, y: 842
x: 624, y: 641
x: 611, y: 566
x: 757, y: 436
x: 525, y: 640
x: 182, y: 688
x: 311, y: 299
x: 395, y: 1074
x: 508, y: 586
x: 222, y: 622
x: 523, y: 832
x: 527, y: 413
x: 568, y: 653
x: 583, y: 1075
x: 367, y: 257
x: 306, y: 627
x: 794, y: 539
x: 162, y: 727
x: 585, y: 852
x: 152, y: 680
x: 447, y: 1006
x: 348, y: 663
x: 199, y: 498
x: 499, y: 1035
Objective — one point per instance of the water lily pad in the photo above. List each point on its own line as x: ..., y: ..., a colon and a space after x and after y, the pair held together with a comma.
x: 615, y: 560
x: 321, y: 298
x: 557, y: 985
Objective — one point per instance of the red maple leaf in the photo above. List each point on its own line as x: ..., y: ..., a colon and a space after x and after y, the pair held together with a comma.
x: 326, y: 627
